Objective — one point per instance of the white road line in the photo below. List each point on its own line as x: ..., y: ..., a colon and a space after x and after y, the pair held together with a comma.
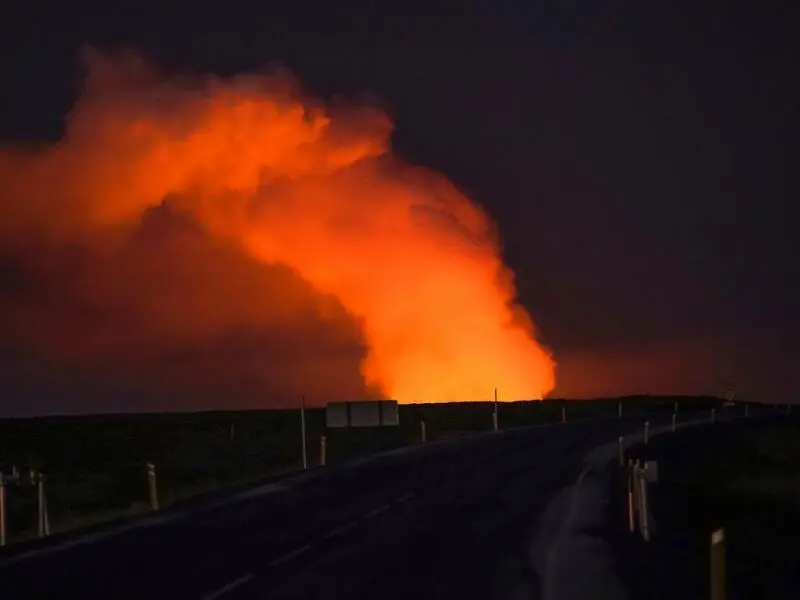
x: 405, y: 497
x: 341, y: 530
x: 290, y: 555
x: 376, y: 511
x: 229, y: 588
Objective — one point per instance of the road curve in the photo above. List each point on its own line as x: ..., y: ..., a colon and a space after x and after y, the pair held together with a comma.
x: 438, y: 523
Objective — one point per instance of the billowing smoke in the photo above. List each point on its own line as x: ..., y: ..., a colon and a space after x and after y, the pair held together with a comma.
x: 194, y: 207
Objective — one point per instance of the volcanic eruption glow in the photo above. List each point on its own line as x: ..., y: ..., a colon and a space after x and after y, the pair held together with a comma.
x: 293, y: 182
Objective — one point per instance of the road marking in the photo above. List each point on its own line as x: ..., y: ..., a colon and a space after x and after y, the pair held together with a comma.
x: 376, y: 511
x: 290, y: 555
x: 405, y: 497
x: 229, y: 588
x: 262, y: 490
x: 341, y: 530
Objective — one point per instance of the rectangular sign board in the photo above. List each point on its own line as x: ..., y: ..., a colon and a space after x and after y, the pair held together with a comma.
x: 651, y: 469
x: 336, y: 414
x: 389, y: 414
x: 366, y: 413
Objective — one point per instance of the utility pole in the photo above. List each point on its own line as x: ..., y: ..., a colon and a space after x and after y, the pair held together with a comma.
x: 494, y: 414
x: 303, y: 429
x: 2, y: 511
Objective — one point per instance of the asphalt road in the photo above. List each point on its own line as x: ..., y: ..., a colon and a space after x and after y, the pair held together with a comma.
x: 445, y: 521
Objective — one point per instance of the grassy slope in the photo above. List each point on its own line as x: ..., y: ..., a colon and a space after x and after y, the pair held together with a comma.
x: 746, y: 480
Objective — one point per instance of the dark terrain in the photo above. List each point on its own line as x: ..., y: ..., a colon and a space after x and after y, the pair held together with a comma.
x: 743, y: 477
x: 440, y: 521
x: 95, y: 464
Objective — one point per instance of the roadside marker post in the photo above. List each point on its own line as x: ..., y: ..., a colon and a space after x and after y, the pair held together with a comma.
x: 638, y: 477
x: 647, y: 432
x: 674, y: 424
x: 152, y: 489
x: 644, y: 525
x: 423, y: 434
x: 631, y: 508
x: 621, y: 442
x: 619, y: 409
x: 717, y: 564
x: 2, y: 510
x: 323, y: 447
x: 44, y: 520
x: 563, y: 414
x: 675, y: 407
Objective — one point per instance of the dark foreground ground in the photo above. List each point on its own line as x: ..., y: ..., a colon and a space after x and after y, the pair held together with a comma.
x: 438, y: 522
x: 740, y: 477
x: 95, y: 465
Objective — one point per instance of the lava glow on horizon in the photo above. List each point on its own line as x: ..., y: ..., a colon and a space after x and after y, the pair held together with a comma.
x: 289, y: 181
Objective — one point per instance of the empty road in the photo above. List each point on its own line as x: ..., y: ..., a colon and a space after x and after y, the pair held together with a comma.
x: 445, y: 521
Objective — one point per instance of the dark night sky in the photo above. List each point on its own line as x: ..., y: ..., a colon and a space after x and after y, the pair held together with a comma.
x: 638, y: 159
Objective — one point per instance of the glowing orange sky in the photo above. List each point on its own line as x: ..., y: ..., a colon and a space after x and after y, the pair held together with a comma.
x: 289, y: 181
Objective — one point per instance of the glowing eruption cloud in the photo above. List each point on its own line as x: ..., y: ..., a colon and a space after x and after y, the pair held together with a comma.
x: 291, y: 182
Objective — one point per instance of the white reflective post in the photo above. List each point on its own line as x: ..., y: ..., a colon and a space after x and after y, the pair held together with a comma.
x: 152, y: 489
x: 717, y: 565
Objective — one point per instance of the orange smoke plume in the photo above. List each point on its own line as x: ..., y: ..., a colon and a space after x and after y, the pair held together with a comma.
x: 289, y: 181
